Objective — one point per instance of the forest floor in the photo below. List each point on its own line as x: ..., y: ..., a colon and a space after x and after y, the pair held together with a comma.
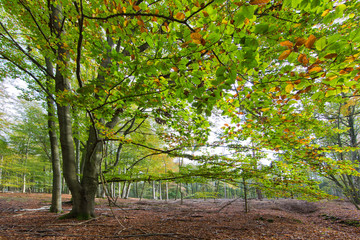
x: 26, y: 216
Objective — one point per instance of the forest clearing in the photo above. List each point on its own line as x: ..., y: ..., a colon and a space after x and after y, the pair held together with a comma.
x: 25, y: 216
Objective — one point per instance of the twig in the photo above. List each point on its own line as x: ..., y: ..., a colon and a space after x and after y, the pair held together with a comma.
x: 229, y: 203
x: 114, y: 236
x: 110, y: 201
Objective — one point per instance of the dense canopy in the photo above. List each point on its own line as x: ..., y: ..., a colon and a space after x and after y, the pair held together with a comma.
x: 283, y: 76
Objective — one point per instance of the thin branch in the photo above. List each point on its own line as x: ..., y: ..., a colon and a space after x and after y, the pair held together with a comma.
x: 37, y: 25
x: 80, y: 39
x: 217, y: 58
x: 130, y: 96
x: 139, y: 160
x: 30, y: 74
x: 17, y: 45
x: 197, y: 11
x: 141, y: 14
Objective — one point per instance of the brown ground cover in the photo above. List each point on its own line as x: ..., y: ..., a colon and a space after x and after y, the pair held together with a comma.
x: 26, y: 216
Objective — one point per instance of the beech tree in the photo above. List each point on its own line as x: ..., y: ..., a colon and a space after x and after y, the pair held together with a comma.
x: 122, y: 62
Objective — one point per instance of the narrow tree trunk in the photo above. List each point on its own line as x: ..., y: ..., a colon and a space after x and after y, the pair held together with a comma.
x: 25, y: 164
x: 1, y: 170
x: 154, y: 190
x: 128, y: 190
x: 160, y: 191
x: 245, y: 196
x: 123, y: 190
x: 142, y: 191
x: 167, y: 191
x: 54, y: 147
x: 259, y: 194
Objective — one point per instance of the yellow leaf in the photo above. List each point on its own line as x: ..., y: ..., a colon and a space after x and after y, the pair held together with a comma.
x: 289, y: 88
x: 272, y: 89
x: 180, y: 16
x: 265, y: 109
x: 350, y: 59
x: 325, y: 13
x: 315, y: 69
x: 113, y: 27
x: 196, y: 41
x: 284, y: 55
x: 310, y: 41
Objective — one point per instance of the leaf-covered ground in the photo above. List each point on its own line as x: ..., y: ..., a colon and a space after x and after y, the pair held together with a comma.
x: 26, y: 216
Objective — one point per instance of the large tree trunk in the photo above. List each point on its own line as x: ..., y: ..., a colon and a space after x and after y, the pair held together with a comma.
x: 81, y: 207
x: 83, y: 192
x: 55, y: 155
x: 90, y: 179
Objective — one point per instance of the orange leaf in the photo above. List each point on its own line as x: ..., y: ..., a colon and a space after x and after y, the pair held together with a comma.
x: 346, y: 70
x: 287, y: 44
x: 259, y: 2
x: 136, y: 8
x: 196, y: 36
x: 303, y: 59
x: 284, y: 55
x: 310, y: 41
x: 140, y: 23
x: 180, y: 16
x: 205, y: 13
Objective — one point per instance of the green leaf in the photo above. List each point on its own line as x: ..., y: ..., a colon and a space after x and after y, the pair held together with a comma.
x: 321, y: 44
x: 261, y: 28
x: 220, y: 71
